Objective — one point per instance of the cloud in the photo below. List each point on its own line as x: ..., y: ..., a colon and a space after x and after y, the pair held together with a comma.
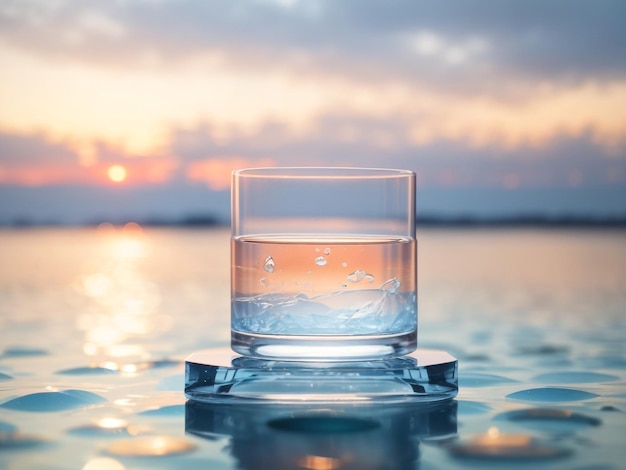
x: 484, y: 42
x: 475, y: 144
x: 37, y: 160
x: 564, y: 161
x: 216, y: 172
x: 482, y: 73
x: 413, y: 118
x: 36, y: 149
x: 34, y: 159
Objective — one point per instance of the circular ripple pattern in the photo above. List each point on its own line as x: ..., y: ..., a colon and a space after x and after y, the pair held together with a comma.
x: 53, y: 401
x: 517, y: 447
x: 550, y: 420
x: 552, y: 394
x: 573, y: 377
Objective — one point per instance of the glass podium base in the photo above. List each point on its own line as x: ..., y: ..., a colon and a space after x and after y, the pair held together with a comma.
x: 221, y: 376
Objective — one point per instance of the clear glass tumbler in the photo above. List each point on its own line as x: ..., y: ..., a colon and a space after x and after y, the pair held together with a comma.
x: 323, y: 263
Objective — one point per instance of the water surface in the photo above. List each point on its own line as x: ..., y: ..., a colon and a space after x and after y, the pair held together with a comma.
x: 96, y: 325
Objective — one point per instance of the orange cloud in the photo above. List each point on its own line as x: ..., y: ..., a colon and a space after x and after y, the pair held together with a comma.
x: 216, y: 172
x: 145, y: 170
x: 41, y: 174
x: 134, y: 109
x: 138, y: 171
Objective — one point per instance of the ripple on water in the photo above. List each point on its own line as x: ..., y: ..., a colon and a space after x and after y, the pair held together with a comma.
x: 574, y: 377
x: 53, y: 401
x: 88, y: 370
x: 165, y: 411
x: 477, y: 357
x: 11, y: 438
x: 23, y: 351
x: 477, y: 379
x: 551, y: 394
x: 607, y: 361
x: 542, y: 349
x: 610, y: 408
x: 150, y: 446
x: 7, y: 427
x: 550, y: 419
x: 496, y: 446
x: 5, y: 376
x: 160, y: 363
x: 103, y: 427
x: 20, y: 440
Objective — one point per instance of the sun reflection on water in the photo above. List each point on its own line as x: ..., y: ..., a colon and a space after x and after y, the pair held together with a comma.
x: 318, y: 462
x: 111, y: 423
x: 122, y: 304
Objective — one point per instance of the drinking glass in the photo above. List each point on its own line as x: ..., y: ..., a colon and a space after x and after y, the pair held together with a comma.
x: 323, y: 263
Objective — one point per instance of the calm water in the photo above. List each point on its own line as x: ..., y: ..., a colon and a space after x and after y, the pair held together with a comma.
x: 95, y: 326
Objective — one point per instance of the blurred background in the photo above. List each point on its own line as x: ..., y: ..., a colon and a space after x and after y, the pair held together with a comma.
x: 139, y: 110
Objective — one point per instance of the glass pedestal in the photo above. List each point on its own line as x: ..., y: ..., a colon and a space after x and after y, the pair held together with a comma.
x: 221, y: 376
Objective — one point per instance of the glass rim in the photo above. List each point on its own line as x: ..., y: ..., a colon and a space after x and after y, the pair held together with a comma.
x: 322, y: 172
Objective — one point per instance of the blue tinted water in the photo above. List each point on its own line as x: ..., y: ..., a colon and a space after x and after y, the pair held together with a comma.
x: 367, y: 311
x: 95, y: 327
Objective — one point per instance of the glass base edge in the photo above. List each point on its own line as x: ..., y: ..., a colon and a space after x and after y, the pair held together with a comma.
x: 221, y: 376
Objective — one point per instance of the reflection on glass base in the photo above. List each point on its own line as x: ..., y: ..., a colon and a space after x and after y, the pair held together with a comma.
x: 221, y: 376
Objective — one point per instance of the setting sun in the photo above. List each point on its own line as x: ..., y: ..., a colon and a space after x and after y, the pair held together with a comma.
x: 117, y: 173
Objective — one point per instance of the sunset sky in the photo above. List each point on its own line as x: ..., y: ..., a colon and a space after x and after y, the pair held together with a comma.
x: 142, y: 108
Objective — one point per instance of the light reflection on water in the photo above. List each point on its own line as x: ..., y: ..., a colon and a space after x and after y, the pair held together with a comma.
x: 103, y: 463
x: 122, y: 303
x: 533, y: 315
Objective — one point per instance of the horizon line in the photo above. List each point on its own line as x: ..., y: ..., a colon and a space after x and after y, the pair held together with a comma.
x: 429, y: 220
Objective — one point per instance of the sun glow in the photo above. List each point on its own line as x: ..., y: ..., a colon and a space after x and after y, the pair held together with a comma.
x: 117, y: 173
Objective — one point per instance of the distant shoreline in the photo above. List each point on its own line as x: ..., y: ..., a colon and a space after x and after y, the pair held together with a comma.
x: 426, y: 221
x: 523, y: 221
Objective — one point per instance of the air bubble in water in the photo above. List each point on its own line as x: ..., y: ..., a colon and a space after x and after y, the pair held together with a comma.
x: 264, y: 281
x: 356, y: 276
x: 391, y: 286
x: 327, y: 251
x: 269, y: 264
x: 320, y: 261
x: 344, y: 264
